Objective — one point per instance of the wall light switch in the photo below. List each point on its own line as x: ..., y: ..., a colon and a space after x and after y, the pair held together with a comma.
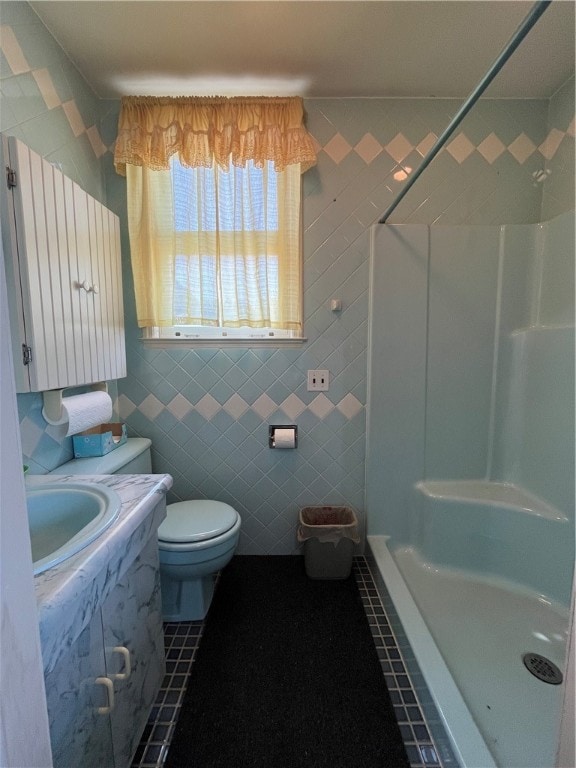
x: 318, y: 381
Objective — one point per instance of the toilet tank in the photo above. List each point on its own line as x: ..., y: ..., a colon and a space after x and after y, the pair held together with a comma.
x: 132, y: 458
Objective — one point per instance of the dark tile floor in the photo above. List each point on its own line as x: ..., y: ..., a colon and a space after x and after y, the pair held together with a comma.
x: 425, y: 740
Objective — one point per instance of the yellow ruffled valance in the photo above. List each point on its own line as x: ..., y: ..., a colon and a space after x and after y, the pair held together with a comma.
x: 203, y: 130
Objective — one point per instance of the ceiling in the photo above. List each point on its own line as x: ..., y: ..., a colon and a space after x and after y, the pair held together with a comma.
x: 314, y: 48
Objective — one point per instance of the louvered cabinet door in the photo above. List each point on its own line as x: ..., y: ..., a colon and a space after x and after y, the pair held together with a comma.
x: 111, y: 295
x: 67, y: 279
x: 81, y: 286
x: 105, y: 287
x: 39, y: 268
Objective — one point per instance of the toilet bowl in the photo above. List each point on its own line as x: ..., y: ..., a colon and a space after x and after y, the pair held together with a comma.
x: 195, y: 541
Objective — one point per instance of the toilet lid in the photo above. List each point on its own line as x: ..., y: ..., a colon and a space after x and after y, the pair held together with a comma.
x: 196, y: 520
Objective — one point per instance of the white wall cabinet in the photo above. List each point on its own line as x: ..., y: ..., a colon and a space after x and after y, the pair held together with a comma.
x: 64, y: 266
x: 100, y: 693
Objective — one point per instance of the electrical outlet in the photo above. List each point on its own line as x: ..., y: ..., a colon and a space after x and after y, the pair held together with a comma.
x: 318, y: 381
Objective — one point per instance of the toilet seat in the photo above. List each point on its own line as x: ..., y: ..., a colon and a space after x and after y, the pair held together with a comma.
x: 196, y: 521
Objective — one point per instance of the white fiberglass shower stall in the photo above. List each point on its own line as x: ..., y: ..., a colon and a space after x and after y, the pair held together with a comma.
x: 470, y: 469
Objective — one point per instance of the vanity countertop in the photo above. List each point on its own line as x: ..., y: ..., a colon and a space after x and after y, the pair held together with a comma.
x: 69, y: 593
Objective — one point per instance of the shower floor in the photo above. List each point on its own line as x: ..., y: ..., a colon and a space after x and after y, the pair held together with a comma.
x: 482, y: 629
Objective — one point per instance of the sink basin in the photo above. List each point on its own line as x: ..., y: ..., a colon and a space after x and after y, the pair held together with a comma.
x: 66, y: 517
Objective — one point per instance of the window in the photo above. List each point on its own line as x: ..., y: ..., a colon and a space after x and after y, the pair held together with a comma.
x: 237, y: 252
x: 213, y: 188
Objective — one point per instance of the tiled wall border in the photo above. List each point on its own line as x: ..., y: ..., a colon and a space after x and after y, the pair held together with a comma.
x: 19, y: 65
x: 460, y: 148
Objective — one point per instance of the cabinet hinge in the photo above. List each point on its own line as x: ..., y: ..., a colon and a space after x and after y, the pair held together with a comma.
x: 10, y: 177
x: 26, y: 354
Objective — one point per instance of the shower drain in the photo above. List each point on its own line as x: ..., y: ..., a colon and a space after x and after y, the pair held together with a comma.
x: 542, y: 668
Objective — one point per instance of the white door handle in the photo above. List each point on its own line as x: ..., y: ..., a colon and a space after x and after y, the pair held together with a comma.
x: 107, y: 683
x: 127, y: 665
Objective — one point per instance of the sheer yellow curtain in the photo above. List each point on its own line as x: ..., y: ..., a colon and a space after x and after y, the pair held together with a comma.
x: 213, y: 277
x: 213, y: 190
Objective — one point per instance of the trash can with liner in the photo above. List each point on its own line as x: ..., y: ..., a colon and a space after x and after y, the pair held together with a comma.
x: 329, y: 535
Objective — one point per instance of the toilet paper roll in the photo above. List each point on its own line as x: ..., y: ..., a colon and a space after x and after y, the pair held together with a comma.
x: 86, y: 411
x: 285, y: 438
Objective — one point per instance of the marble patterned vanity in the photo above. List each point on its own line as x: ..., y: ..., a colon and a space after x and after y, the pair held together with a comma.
x: 100, y: 619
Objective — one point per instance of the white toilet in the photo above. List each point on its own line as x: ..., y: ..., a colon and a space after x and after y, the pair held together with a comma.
x: 195, y: 541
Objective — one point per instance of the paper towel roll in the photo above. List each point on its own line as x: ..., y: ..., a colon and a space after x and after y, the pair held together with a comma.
x: 86, y: 411
x: 285, y: 438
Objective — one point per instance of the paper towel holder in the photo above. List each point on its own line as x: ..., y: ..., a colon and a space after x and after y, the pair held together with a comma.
x: 52, y: 409
x: 272, y: 436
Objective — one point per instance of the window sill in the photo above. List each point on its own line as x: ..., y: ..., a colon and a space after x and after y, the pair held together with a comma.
x: 223, y: 343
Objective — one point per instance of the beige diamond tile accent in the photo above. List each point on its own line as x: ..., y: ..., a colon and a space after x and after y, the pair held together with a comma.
x: 236, y: 406
x: 97, y: 144
x: 349, y: 406
x: 460, y: 148
x: 56, y: 431
x: 399, y: 148
x: 337, y: 148
x: 521, y: 148
x: 125, y: 406
x: 179, y: 406
x: 207, y: 407
x: 426, y: 144
x: 571, y: 128
x: 321, y: 406
x: 46, y: 87
x: 550, y: 145
x: 264, y: 406
x: 30, y: 436
x: 292, y: 406
x: 368, y: 148
x: 74, y: 117
x: 491, y: 148
x: 12, y: 51
x: 151, y: 407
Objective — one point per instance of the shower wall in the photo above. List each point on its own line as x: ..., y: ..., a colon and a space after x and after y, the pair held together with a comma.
x: 534, y: 409
x: 461, y: 324
x: 477, y: 326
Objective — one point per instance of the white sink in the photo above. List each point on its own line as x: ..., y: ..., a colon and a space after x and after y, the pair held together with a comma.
x: 66, y: 517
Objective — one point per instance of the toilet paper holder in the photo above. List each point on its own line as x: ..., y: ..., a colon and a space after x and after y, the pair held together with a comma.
x: 272, y: 435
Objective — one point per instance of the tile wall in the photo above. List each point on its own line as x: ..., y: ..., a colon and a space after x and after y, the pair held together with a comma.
x: 207, y: 410
x: 558, y: 183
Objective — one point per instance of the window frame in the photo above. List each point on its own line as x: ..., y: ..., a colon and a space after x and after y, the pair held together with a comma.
x: 224, y: 337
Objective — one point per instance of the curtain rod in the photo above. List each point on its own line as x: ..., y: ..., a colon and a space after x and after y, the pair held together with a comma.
x: 518, y: 36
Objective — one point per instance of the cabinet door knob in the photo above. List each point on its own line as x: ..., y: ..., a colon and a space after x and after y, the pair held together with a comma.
x: 121, y: 649
x: 86, y: 286
x: 95, y: 288
x: 107, y: 683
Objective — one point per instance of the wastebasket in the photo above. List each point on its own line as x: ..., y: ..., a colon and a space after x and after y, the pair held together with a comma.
x: 328, y: 535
